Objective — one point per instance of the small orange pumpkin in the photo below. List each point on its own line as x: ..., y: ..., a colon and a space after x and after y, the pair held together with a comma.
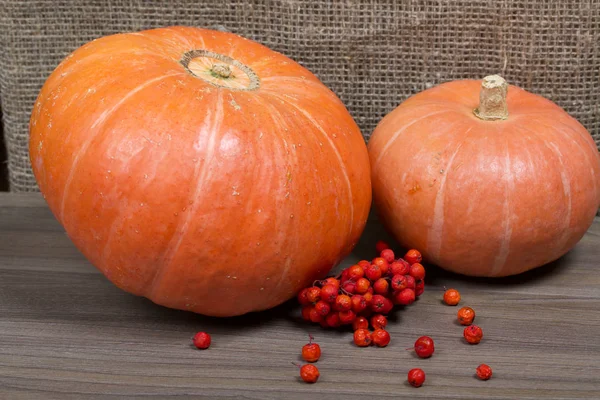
x: 200, y: 169
x: 488, y: 190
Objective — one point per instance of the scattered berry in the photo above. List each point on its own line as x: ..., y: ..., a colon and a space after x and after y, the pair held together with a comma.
x: 381, y: 246
x: 451, y: 297
x: 424, y: 347
x: 473, y: 334
x: 309, y: 373
x: 360, y: 323
x: 413, y: 256
x: 416, y: 377
x: 202, y: 340
x: 379, y: 321
x: 362, y: 337
x: 466, y: 315
x: 381, y: 337
x: 484, y: 372
x: 311, y: 352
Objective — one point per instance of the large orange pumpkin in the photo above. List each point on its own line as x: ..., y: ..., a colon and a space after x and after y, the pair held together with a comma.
x: 488, y: 190
x: 200, y: 169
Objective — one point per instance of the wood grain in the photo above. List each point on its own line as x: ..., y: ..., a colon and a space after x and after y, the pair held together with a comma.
x: 67, y: 333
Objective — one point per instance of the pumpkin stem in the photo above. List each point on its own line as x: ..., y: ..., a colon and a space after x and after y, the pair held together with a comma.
x: 492, y: 99
x: 221, y: 70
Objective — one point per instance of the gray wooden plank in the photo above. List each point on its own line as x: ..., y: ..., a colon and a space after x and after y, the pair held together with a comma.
x: 66, y: 332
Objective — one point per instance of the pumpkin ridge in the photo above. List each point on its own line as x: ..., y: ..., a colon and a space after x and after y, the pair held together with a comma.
x: 200, y: 169
x: 83, y: 149
x: 437, y: 228
x: 397, y: 134
x: 337, y: 154
x: 504, y: 250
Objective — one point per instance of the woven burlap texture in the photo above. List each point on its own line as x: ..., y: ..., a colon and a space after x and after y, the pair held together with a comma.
x: 373, y: 54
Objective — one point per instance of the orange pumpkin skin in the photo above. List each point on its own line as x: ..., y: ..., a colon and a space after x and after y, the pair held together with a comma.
x: 484, y: 198
x: 214, y: 194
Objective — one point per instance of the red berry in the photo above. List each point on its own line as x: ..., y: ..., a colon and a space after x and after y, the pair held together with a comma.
x: 362, y: 286
x: 424, y: 347
x: 328, y: 293
x: 381, y: 286
x: 466, y: 315
x: 333, y: 319
x: 347, y: 317
x: 484, y: 372
x: 355, y: 272
x: 315, y: 316
x: 322, y: 308
x: 399, y: 267
x: 381, y: 337
x: 381, y: 246
x: 411, y: 283
x: 388, y: 255
x: 405, y: 297
x: 398, y: 282
x: 379, y: 321
x: 373, y: 272
x: 314, y: 294
x: 368, y: 297
x: 306, y: 312
x: 360, y: 323
x: 309, y: 373
x: 473, y: 334
x: 362, y: 337
x: 311, y: 352
x: 417, y: 271
x: 413, y: 256
x: 383, y: 265
x: 359, y: 304
x: 342, y: 302
x: 202, y: 340
x: 378, y: 303
x: 364, y: 264
x: 451, y: 297
x: 388, y: 305
x: 349, y: 286
x: 416, y: 377
x: 419, y: 288
x: 332, y: 281
x: 344, y: 276
x: 303, y: 297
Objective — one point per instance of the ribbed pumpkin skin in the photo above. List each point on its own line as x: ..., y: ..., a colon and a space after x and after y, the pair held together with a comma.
x: 200, y: 198
x: 484, y: 198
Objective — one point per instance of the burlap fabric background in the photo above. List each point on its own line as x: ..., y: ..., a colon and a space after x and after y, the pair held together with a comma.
x: 373, y: 54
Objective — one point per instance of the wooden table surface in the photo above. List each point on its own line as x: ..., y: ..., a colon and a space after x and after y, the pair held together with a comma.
x: 67, y: 333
